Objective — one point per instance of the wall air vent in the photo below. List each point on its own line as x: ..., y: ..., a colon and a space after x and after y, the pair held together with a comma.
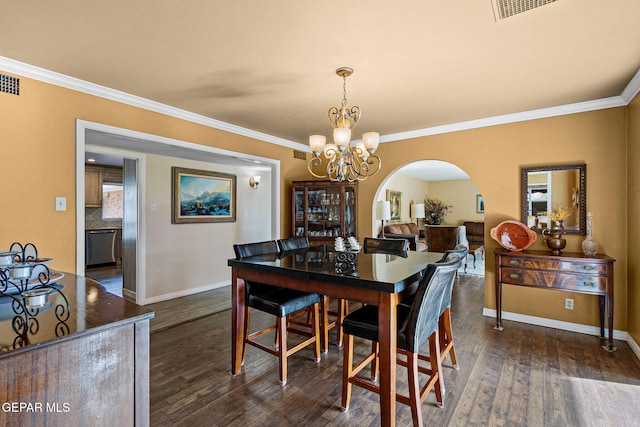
x: 9, y: 84
x: 297, y: 154
x: 506, y: 8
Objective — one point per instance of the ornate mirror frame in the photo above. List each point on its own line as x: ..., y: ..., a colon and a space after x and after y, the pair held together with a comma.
x: 578, y: 196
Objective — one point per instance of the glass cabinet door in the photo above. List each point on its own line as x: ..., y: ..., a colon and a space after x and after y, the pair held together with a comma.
x: 349, y: 212
x: 299, y: 216
x: 323, y: 210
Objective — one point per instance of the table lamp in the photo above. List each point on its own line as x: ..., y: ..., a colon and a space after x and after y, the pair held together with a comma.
x: 383, y: 212
x: 417, y: 211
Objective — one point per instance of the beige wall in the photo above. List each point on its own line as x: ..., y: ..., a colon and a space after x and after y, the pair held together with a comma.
x: 412, y: 189
x: 633, y: 225
x: 38, y: 150
x: 461, y: 195
x: 38, y: 137
x: 596, y: 138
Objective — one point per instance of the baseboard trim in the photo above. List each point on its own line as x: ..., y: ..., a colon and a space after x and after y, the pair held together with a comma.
x: 634, y: 346
x: 556, y: 324
x: 185, y: 292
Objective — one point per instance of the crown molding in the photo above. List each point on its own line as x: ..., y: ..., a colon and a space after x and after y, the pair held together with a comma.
x: 68, y: 82
x: 562, y: 110
x: 30, y: 71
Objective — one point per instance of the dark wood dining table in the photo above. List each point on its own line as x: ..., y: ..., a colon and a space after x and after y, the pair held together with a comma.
x: 378, y: 279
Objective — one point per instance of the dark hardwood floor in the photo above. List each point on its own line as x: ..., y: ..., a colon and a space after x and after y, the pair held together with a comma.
x: 524, y: 376
x: 109, y: 276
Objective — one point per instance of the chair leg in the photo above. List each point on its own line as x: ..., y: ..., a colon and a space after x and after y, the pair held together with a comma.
x: 324, y: 303
x: 247, y: 323
x: 347, y: 371
x: 448, y: 336
x: 375, y: 349
x: 436, y: 367
x: 315, y: 316
x: 414, y: 389
x: 282, y: 350
x: 343, y: 310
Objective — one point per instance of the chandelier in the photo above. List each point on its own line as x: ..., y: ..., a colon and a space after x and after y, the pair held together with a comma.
x: 344, y: 161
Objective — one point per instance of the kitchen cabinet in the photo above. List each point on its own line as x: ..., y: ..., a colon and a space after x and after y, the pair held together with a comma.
x: 324, y: 210
x: 112, y: 175
x: 93, y: 178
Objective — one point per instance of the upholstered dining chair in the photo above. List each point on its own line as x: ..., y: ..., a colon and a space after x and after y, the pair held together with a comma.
x: 293, y: 243
x: 279, y: 302
x: 416, y: 325
x: 444, y: 321
x: 386, y: 246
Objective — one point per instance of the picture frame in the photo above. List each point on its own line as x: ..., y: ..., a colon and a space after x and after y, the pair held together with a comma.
x: 395, y: 197
x: 200, y: 196
x: 479, y: 204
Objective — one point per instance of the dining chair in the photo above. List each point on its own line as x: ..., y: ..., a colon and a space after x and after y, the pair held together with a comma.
x: 387, y: 246
x: 279, y: 302
x: 294, y: 243
x: 416, y: 325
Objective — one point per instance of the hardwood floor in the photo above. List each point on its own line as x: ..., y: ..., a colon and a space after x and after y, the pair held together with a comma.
x: 109, y: 276
x: 524, y: 376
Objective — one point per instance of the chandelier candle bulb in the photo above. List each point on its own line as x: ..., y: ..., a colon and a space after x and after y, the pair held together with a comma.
x: 317, y: 143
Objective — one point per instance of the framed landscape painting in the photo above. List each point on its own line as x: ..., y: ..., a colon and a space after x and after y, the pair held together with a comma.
x: 202, y: 196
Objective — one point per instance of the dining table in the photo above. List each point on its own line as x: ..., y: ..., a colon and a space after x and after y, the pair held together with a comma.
x: 378, y: 279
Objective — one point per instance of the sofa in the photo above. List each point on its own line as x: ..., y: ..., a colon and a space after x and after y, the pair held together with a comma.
x: 409, y: 231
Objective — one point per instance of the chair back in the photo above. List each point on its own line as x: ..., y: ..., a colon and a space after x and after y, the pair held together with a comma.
x: 292, y: 243
x: 461, y: 251
x: 385, y: 246
x: 425, y: 310
x: 252, y: 249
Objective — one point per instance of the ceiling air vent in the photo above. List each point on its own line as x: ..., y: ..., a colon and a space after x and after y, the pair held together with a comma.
x: 506, y: 8
x: 297, y: 154
x: 9, y: 84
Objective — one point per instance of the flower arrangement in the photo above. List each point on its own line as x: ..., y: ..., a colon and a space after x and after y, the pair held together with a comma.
x: 559, y: 213
x: 435, y: 210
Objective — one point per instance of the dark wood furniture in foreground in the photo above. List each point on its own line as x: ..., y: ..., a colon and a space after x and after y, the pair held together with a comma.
x: 570, y: 272
x: 86, y: 362
x: 377, y: 279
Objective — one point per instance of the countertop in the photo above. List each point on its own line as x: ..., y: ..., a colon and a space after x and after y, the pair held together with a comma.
x: 80, y: 306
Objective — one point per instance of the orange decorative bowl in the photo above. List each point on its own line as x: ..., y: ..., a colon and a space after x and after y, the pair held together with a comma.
x: 513, y: 235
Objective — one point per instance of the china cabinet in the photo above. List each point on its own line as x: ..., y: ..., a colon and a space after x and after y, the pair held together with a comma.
x: 324, y: 210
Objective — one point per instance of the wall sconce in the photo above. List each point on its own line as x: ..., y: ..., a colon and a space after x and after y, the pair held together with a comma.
x: 254, y: 181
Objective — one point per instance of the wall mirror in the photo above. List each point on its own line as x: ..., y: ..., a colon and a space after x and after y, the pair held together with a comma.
x: 545, y: 188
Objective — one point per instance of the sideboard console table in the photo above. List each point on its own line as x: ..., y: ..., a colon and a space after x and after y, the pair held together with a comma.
x: 570, y: 272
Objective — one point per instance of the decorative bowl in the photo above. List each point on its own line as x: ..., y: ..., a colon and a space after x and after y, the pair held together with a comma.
x: 513, y: 235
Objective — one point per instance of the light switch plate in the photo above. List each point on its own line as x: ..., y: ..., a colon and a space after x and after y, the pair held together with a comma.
x: 61, y: 203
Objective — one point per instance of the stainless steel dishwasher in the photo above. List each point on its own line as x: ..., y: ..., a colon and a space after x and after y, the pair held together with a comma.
x: 100, y: 247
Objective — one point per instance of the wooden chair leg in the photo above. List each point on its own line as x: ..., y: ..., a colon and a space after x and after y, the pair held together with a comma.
x: 375, y: 367
x: 343, y: 310
x: 446, y: 317
x: 315, y: 316
x: 347, y: 371
x: 247, y: 323
x: 436, y: 367
x: 414, y: 389
x: 282, y: 350
x: 324, y: 302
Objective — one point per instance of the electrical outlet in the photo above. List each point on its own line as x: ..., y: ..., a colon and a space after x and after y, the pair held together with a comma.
x: 568, y: 303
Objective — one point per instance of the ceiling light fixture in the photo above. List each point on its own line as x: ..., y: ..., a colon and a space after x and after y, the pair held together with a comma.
x: 345, y: 162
